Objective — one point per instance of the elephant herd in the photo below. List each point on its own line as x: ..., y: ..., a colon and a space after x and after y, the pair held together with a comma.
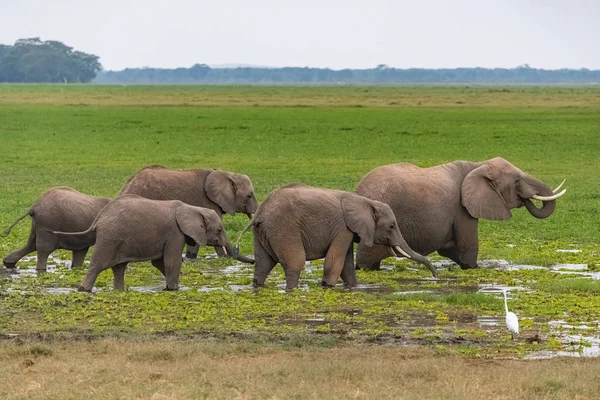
x: 397, y: 210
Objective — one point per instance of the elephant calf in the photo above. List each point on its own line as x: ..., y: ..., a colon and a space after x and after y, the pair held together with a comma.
x: 60, y: 208
x: 298, y: 223
x: 221, y: 191
x: 132, y: 229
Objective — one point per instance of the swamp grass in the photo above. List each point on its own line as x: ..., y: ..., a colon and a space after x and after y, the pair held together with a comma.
x: 93, y: 138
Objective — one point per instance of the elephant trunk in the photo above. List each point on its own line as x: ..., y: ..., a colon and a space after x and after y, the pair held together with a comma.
x: 234, y: 253
x: 404, y: 250
x: 546, y: 195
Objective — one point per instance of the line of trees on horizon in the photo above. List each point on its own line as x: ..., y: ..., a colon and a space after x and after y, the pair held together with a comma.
x: 203, y: 74
x: 34, y: 60
x: 382, y: 74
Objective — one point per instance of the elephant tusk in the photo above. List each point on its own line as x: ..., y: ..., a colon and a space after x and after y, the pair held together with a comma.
x: 225, y: 250
x: 559, y: 186
x: 549, y: 198
x: 399, y: 250
x: 252, y: 215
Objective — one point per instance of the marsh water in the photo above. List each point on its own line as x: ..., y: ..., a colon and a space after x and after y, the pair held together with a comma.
x: 576, y: 339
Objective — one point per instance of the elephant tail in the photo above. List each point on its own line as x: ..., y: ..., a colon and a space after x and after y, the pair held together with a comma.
x: 7, y: 231
x: 88, y: 230
x: 237, y: 241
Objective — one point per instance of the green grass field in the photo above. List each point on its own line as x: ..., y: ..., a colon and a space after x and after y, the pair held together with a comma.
x: 93, y: 138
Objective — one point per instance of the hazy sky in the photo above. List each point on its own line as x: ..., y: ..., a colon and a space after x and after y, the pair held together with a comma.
x: 317, y: 33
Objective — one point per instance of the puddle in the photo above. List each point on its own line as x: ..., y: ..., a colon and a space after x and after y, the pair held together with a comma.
x: 414, y: 292
x: 496, y: 288
x: 60, y: 290
x: 51, y: 267
x: 568, y: 251
x: 574, y: 344
x: 490, y: 321
x: 153, y: 289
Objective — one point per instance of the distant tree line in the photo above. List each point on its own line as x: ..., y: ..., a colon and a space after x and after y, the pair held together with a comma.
x: 203, y: 74
x: 34, y: 60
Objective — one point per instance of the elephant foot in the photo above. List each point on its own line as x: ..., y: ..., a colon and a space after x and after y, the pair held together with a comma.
x: 168, y: 289
x: 326, y: 285
x: 257, y: 285
x: 191, y: 256
x: 372, y: 267
x: 82, y: 289
x: 10, y: 265
x: 468, y: 266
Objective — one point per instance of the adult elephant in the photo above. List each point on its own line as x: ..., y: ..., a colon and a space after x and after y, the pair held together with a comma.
x: 438, y: 208
x: 297, y: 223
x: 221, y: 191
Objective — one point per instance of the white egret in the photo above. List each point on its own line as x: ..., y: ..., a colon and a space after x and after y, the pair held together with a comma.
x: 512, y: 322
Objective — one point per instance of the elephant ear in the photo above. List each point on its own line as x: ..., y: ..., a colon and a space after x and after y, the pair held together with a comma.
x: 191, y: 222
x: 360, y: 217
x: 480, y: 196
x: 220, y: 189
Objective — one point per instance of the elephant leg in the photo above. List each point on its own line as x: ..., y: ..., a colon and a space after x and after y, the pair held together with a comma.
x: 45, y: 244
x: 160, y: 265
x: 172, y: 264
x: 349, y: 272
x: 263, y: 263
x: 42, y: 260
x: 172, y: 271
x: 292, y: 266
x: 464, y: 260
x: 11, y: 260
x: 191, y: 252
x: 91, y: 276
x: 336, y: 258
x: 466, y: 247
x: 78, y: 257
x: 369, y: 258
x: 119, y: 276
x: 102, y: 259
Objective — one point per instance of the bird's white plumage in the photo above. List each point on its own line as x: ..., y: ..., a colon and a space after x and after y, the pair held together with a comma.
x: 512, y: 322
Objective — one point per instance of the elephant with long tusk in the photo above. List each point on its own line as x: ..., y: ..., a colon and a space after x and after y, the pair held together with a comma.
x: 438, y: 208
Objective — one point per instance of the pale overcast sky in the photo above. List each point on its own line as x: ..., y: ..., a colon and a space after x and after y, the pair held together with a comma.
x: 317, y: 33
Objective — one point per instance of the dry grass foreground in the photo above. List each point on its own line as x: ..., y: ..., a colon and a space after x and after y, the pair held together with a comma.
x: 170, y: 369
x: 303, y: 96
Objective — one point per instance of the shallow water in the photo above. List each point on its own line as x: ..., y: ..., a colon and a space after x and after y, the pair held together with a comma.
x: 575, y: 344
x: 578, y: 340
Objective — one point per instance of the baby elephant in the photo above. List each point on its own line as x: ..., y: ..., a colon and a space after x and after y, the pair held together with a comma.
x: 298, y: 223
x: 132, y: 229
x: 60, y: 208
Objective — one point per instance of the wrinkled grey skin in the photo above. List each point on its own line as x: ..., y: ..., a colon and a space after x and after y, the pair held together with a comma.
x: 437, y: 208
x: 132, y: 229
x: 223, y: 192
x: 297, y: 223
x: 60, y: 208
